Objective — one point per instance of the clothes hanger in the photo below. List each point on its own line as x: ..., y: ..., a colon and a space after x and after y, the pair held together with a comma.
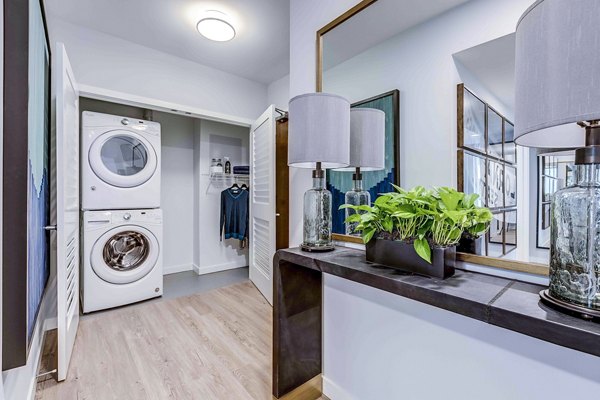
x: 245, y: 187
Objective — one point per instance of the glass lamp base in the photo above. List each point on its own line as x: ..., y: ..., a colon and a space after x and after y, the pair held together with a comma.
x: 570, y: 308
x: 316, y: 249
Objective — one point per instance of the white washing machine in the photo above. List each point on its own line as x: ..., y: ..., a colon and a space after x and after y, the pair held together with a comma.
x: 122, y: 258
x: 120, y: 162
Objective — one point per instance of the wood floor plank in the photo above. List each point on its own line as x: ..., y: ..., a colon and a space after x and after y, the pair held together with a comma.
x: 210, y: 346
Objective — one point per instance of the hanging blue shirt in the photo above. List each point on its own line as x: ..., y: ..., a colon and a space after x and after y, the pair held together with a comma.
x: 234, y: 214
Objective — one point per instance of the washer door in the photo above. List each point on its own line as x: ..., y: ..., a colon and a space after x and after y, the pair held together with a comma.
x: 125, y: 254
x: 122, y: 158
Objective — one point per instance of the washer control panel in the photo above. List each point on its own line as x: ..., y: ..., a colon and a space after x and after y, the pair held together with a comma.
x: 121, y: 217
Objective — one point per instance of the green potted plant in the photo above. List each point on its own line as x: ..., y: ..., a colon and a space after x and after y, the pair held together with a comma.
x: 417, y: 230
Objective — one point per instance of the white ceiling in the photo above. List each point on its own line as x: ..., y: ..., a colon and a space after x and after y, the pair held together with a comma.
x: 260, y: 50
x: 493, y: 65
x: 377, y: 23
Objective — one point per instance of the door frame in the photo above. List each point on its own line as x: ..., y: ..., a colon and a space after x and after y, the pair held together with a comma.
x: 113, y: 96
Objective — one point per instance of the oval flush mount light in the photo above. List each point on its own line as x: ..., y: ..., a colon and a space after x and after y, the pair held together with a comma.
x: 214, y: 26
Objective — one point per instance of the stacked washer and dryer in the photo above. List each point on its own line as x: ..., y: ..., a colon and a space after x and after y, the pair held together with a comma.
x: 122, y: 220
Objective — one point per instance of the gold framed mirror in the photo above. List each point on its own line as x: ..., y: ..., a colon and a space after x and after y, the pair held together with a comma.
x: 344, y: 34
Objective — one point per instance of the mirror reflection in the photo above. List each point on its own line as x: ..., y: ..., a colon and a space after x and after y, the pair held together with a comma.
x: 556, y: 170
x: 455, y: 114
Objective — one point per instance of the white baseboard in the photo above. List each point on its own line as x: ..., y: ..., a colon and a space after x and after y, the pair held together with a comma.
x: 209, y: 269
x: 173, y: 269
x: 333, y: 391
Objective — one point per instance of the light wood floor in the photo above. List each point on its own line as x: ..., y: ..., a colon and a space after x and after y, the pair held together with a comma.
x: 214, y: 345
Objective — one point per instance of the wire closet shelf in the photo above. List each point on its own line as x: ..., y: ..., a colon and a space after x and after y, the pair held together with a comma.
x: 220, y: 178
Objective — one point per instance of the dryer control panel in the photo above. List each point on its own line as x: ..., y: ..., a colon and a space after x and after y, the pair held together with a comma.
x: 99, y: 120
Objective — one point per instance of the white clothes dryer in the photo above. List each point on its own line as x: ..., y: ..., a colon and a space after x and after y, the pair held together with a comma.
x: 122, y: 258
x: 120, y: 162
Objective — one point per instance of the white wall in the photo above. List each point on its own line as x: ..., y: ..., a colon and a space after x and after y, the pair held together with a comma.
x: 278, y: 93
x: 475, y: 85
x: 381, y: 346
x: 214, y: 254
x: 108, y: 62
x: 177, y: 190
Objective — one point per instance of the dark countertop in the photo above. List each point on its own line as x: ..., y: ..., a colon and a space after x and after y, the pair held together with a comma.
x: 498, y: 301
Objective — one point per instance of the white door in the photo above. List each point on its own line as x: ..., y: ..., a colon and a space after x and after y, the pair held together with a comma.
x: 67, y: 206
x: 262, y: 202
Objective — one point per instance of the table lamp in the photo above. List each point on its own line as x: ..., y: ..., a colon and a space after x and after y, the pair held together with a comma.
x: 557, y: 104
x: 318, y: 138
x: 367, y: 153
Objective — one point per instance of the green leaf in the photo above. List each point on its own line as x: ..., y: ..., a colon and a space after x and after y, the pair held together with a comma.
x: 403, y: 214
x: 450, y: 197
x: 353, y: 218
x: 388, y: 224
x: 362, y: 207
x: 398, y: 189
x: 368, y: 235
x: 423, y: 250
x: 470, y: 199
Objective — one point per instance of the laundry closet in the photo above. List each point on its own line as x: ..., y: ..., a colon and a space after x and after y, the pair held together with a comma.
x: 190, y: 196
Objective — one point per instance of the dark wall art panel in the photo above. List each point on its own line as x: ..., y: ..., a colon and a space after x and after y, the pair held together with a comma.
x: 375, y: 182
x: 26, y: 199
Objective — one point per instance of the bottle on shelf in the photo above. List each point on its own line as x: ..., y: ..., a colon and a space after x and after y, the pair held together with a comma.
x: 227, y: 165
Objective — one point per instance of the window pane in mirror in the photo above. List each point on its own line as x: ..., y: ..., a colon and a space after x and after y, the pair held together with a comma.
x: 494, y: 125
x: 510, y: 148
x: 495, y: 184
x: 510, y: 186
x: 474, y: 176
x: 495, y: 247
x: 474, y: 122
x: 510, y: 226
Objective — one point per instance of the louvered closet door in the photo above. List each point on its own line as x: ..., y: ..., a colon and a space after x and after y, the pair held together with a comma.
x: 67, y: 207
x: 262, y: 203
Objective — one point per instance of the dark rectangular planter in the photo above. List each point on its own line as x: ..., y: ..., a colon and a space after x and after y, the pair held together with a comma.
x: 471, y: 245
x: 402, y: 256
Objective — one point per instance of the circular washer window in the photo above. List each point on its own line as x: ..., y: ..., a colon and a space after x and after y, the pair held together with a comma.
x: 126, y: 251
x: 125, y: 254
x: 122, y: 158
x: 124, y: 155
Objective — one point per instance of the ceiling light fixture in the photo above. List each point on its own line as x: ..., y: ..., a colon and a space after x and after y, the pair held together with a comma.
x: 214, y: 26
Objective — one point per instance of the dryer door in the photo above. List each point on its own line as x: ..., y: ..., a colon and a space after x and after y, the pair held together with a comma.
x: 122, y: 158
x: 125, y: 254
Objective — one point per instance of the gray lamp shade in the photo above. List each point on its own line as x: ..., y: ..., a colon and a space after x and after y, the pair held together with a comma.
x: 319, y: 131
x: 367, y: 139
x: 557, y: 72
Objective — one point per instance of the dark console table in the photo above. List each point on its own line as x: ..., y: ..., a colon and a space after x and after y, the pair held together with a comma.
x: 297, y: 318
